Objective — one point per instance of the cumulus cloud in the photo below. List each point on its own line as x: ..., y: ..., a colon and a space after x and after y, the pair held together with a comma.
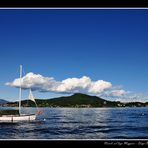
x: 34, y: 81
x: 70, y: 85
x: 118, y: 93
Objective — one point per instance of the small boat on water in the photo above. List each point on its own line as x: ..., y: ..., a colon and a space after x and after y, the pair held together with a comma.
x: 7, y: 116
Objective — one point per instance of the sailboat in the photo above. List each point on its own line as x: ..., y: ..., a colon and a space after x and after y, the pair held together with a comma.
x: 20, y: 117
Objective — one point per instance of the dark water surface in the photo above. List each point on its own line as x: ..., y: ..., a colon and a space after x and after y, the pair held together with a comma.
x: 81, y: 123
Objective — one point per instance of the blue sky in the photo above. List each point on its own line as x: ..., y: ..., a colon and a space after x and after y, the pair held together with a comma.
x: 102, y: 44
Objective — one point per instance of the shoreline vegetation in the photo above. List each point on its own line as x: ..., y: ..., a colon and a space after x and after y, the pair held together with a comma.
x: 77, y: 100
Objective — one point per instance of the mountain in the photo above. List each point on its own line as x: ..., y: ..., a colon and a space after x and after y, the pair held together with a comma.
x: 77, y: 100
x: 2, y: 101
x: 80, y: 100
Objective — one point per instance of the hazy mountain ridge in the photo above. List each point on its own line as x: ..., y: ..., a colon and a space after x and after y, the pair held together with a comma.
x: 2, y: 101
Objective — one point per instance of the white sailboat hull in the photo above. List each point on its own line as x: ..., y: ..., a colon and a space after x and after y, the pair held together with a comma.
x: 17, y: 118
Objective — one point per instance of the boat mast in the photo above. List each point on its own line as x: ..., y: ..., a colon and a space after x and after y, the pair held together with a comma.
x: 20, y: 91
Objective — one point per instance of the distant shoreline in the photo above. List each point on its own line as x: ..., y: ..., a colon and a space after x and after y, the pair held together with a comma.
x: 71, y: 107
x: 77, y: 100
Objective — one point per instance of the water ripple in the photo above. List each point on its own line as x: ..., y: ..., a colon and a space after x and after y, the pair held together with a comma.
x: 85, y: 123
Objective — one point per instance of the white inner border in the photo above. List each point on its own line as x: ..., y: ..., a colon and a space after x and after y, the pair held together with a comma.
x: 75, y: 8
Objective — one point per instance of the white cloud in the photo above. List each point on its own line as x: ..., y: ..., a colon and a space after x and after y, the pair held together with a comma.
x: 34, y: 81
x: 133, y: 97
x: 70, y: 85
x: 118, y: 93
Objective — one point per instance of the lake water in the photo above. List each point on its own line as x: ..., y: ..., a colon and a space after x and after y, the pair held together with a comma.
x: 81, y: 123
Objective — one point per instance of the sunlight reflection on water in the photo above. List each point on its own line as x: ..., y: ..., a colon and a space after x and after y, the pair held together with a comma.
x: 81, y: 123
